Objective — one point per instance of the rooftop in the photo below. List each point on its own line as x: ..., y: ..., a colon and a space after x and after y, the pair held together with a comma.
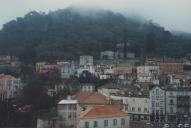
x: 91, y: 98
x: 68, y: 102
x: 3, y: 76
x: 102, y: 112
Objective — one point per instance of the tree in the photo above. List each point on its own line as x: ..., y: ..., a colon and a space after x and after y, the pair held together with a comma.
x: 150, y: 42
x: 87, y: 77
x: 35, y: 93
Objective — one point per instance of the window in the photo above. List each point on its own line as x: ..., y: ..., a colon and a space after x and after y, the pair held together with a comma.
x: 126, y: 107
x: 161, y: 112
x: 86, y: 124
x: 122, y: 121
x: 114, y: 122
x: 133, y: 109
x: 60, y: 117
x: 69, y: 116
x: 153, y: 104
x: 171, y: 109
x: 157, y: 104
x: 95, y: 124
x: 72, y: 107
x: 74, y: 115
x: 145, y: 109
x: 157, y: 112
x: 105, y: 123
x: 145, y: 117
x: 171, y: 101
x: 139, y: 109
x: 157, y: 91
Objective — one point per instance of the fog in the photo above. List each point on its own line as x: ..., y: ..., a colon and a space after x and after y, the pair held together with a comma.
x: 172, y: 14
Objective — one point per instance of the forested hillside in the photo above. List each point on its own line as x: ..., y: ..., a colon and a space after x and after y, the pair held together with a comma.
x: 68, y: 33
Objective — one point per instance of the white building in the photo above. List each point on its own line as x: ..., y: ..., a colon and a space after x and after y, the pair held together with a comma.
x: 174, y: 79
x: 130, y: 55
x: 86, y: 64
x: 108, y: 91
x: 137, y: 107
x: 88, y: 88
x: 108, y: 55
x: 148, y: 74
x: 157, y: 103
x: 104, y: 116
x: 84, y: 68
x: 68, y: 114
x: 71, y: 115
x: 68, y: 70
x: 86, y: 60
x: 108, y: 70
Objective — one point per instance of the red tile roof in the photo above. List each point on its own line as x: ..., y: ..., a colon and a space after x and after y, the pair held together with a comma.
x: 6, y: 77
x: 102, y: 112
x: 91, y: 98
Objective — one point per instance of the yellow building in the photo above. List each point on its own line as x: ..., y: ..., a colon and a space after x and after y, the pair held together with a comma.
x: 136, y: 106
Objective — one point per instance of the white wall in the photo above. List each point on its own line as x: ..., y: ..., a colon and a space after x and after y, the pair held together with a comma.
x: 108, y: 92
x: 101, y: 122
x: 157, y: 96
x: 136, y: 102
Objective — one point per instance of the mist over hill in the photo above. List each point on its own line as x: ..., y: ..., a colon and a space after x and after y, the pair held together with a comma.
x: 68, y: 33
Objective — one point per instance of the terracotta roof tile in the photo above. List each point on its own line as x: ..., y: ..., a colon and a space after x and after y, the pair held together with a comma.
x: 102, y: 111
x: 91, y: 98
x: 3, y: 77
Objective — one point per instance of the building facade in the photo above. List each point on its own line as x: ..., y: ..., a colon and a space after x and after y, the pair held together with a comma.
x: 68, y: 114
x: 44, y: 67
x: 10, y: 87
x: 107, y: 55
x: 68, y: 69
x: 148, y: 74
x: 167, y: 66
x: 157, y: 104
x: 178, y: 104
x: 86, y: 60
x: 137, y: 107
x: 104, y: 116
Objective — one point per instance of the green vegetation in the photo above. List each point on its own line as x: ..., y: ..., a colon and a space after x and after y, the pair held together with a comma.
x: 68, y: 33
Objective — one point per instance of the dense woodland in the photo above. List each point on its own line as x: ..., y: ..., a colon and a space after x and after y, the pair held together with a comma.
x: 68, y: 33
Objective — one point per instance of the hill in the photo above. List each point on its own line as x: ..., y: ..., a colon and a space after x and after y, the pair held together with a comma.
x: 70, y: 32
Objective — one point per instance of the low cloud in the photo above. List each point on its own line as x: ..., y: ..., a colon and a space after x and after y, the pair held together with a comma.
x: 172, y: 14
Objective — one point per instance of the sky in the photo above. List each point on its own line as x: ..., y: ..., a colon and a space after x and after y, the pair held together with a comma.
x: 172, y: 14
